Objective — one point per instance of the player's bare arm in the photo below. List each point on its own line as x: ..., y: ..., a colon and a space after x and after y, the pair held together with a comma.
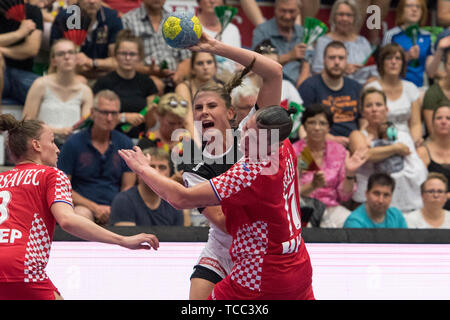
x: 180, y: 197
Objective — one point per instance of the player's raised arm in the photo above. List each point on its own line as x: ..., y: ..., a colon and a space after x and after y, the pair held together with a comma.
x: 180, y: 197
x: 270, y: 71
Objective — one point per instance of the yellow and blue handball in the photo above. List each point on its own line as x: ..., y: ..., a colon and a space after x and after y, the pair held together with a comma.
x: 182, y: 30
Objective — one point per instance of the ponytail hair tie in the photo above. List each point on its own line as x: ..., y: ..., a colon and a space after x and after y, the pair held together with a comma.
x: 291, y: 111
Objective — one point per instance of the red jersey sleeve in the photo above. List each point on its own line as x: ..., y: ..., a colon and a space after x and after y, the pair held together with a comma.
x: 240, y: 176
x: 59, y: 188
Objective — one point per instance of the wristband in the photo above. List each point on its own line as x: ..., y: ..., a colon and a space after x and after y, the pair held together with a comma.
x: 350, y: 178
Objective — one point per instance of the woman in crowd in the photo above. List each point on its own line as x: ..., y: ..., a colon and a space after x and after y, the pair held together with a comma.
x: 419, y: 54
x: 212, y: 27
x: 335, y: 180
x: 203, y: 69
x: 435, y: 153
x: 389, y: 150
x: 59, y: 99
x: 403, y: 97
x: 135, y: 90
x: 31, y: 210
x: 433, y: 215
x: 437, y: 95
x: 171, y: 113
x: 344, y: 18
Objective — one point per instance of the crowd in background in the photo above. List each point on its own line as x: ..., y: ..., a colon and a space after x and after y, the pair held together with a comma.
x: 374, y: 142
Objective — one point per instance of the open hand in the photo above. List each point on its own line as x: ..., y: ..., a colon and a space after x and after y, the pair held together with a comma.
x: 352, y: 163
x: 135, y: 159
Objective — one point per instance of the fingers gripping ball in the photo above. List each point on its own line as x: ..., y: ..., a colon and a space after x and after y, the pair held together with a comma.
x: 182, y: 30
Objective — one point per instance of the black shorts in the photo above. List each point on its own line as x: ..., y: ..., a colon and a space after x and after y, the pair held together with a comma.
x: 205, y: 273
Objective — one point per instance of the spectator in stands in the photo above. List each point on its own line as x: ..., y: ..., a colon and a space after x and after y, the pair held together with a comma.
x: 308, y: 8
x: 403, y: 96
x: 437, y: 95
x: 243, y: 98
x: 336, y: 91
x: 171, y: 113
x: 377, y: 212
x: 96, y: 57
x: 335, y: 181
x: 90, y: 160
x: 390, y: 150
x: 121, y: 6
x: 19, y: 44
x: 287, y: 37
x: 418, y: 55
x: 344, y: 18
x: 59, y: 99
x: 135, y: 90
x: 140, y: 206
x: 375, y: 33
x: 230, y: 35
x: 434, y: 195
x: 443, y: 13
x: 203, y: 68
x: 435, y: 153
x: 146, y: 23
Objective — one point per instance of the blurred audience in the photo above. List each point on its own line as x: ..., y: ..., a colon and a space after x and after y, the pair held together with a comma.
x: 60, y: 99
x: 140, y: 206
x: 135, y: 90
x: 344, y: 17
x: 333, y: 89
x: 418, y: 51
x: 96, y: 57
x: 19, y: 44
x: 403, y: 96
x: 434, y: 195
x: 376, y: 211
x: 390, y: 150
x: 287, y: 37
x: 437, y: 95
x: 122, y: 6
x: 91, y: 161
x: 435, y: 153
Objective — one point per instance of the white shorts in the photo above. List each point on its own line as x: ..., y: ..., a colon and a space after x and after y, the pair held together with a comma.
x: 216, y: 257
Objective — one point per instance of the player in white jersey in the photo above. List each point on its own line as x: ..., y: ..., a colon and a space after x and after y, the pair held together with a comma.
x: 34, y: 195
x: 212, y: 110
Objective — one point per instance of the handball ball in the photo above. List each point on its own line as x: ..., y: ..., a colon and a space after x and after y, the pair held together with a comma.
x: 182, y: 30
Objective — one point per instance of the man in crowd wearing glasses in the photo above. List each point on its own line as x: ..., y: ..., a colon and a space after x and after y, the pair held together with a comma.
x: 90, y: 160
x: 434, y: 195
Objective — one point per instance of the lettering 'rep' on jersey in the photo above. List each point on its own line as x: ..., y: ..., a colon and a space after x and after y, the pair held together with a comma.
x: 27, y: 193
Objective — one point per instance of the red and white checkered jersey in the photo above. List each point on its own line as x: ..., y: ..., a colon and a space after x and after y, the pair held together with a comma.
x: 262, y: 210
x: 27, y: 193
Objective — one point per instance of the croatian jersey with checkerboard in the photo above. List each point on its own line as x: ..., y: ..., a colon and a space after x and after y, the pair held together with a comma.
x: 27, y: 193
x: 261, y: 203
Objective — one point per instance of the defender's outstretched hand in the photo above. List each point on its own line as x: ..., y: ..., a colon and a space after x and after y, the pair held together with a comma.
x: 141, y: 241
x: 135, y: 159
